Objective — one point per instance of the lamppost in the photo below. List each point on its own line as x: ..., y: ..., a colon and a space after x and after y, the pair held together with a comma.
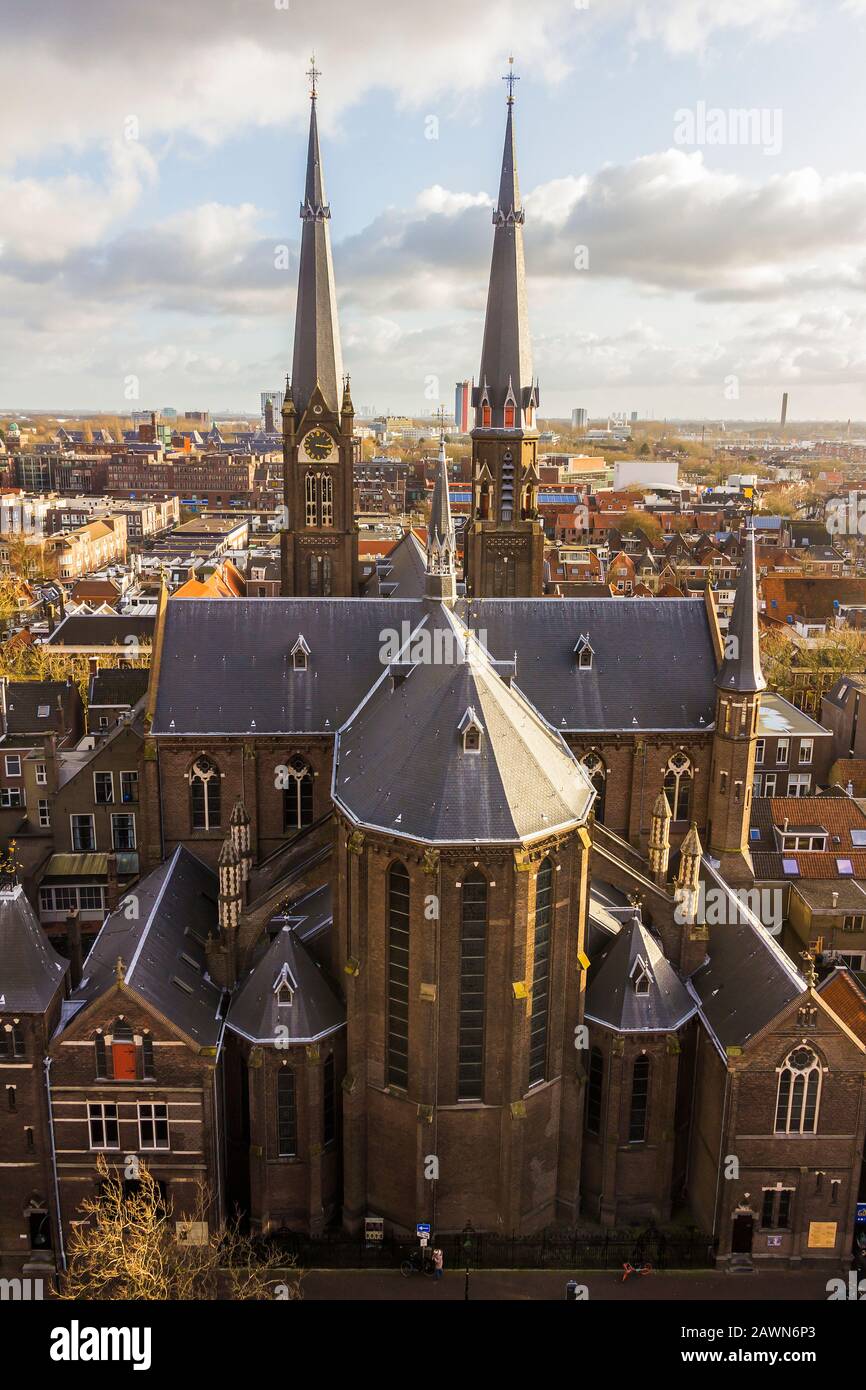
x: 468, y: 1237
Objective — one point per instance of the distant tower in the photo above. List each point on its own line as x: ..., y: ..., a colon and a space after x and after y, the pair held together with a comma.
x: 504, y: 547
x: 441, y: 539
x: 739, y: 683
x: 319, y: 542
x: 784, y: 408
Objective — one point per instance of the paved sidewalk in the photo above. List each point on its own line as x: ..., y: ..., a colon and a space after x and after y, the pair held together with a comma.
x: 549, y: 1285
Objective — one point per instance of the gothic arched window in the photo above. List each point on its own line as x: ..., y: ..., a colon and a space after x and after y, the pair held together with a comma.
x: 799, y: 1092
x: 310, y: 499
x: 297, y: 795
x: 639, y: 1101
x: 594, y: 1084
x: 398, y: 976
x: 540, y: 1015
x: 327, y: 494
x: 595, y: 766
x: 678, y: 786
x: 473, y: 952
x: 204, y: 786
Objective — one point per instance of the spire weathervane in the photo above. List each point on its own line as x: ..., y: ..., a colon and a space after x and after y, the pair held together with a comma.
x: 314, y: 74
x: 511, y: 77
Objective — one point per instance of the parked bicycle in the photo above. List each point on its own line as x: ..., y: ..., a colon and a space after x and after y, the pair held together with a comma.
x: 419, y: 1262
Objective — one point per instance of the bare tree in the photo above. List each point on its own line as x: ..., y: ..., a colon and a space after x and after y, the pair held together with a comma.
x: 132, y: 1245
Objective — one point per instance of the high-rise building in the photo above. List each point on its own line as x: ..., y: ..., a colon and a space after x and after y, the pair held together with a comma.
x: 579, y: 418
x: 462, y: 396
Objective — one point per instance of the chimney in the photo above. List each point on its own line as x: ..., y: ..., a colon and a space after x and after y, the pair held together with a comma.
x: 835, y: 897
x: 60, y: 717
x: 73, y: 945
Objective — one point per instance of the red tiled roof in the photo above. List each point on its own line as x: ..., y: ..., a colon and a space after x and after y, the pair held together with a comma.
x: 847, y: 1000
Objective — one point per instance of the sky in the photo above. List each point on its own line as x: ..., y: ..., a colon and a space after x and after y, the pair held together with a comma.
x: 693, y: 174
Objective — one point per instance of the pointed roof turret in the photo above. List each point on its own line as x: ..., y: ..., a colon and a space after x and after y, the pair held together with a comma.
x: 441, y: 531
x: 506, y: 356
x: 741, y: 666
x: 634, y: 988
x: 317, y: 359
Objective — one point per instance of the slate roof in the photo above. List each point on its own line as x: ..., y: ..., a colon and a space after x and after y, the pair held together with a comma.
x: 400, y: 764
x: 653, y: 666
x: 611, y: 997
x: 401, y: 573
x: 31, y: 971
x: 315, y: 1009
x: 101, y: 630
x: 227, y: 668
x: 31, y: 706
x: 746, y: 980
x: 118, y: 685
x: 177, y: 909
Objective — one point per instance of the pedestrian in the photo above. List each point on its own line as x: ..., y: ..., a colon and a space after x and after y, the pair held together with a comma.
x: 438, y: 1261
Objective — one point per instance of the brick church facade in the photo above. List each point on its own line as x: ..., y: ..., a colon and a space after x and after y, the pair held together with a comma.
x: 420, y: 931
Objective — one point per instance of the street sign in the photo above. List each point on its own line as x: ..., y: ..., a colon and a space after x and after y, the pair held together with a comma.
x: 423, y: 1228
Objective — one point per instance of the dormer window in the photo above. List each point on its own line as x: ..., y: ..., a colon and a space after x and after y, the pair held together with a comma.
x: 284, y: 988
x: 471, y: 729
x: 641, y: 977
x: 583, y: 653
x: 300, y: 654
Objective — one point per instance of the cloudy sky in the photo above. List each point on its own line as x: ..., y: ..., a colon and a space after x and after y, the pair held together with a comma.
x: 682, y: 260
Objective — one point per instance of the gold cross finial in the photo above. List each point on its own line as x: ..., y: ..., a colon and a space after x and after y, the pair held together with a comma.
x: 511, y: 77
x: 314, y: 74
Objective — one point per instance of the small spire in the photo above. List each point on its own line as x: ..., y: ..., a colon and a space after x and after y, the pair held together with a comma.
x: 740, y: 670
x: 511, y: 77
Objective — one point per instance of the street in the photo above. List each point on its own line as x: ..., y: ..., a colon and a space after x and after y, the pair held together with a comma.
x: 549, y: 1285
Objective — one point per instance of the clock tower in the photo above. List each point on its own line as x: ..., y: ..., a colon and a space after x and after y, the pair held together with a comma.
x: 319, y: 545
x: 504, y: 542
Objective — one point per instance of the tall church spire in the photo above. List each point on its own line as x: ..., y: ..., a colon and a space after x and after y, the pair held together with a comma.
x: 740, y: 670
x: 505, y: 380
x: 317, y: 359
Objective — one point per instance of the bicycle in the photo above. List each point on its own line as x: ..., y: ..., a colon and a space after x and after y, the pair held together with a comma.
x: 629, y: 1269
x: 418, y: 1264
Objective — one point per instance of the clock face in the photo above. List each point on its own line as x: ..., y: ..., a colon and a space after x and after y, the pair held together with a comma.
x: 317, y: 445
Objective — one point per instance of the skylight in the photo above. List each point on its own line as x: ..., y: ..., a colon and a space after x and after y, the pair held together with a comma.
x: 790, y: 866
x: 858, y: 839
x: 844, y: 866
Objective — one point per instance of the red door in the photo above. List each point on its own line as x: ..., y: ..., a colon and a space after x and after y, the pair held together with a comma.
x: 123, y: 1055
